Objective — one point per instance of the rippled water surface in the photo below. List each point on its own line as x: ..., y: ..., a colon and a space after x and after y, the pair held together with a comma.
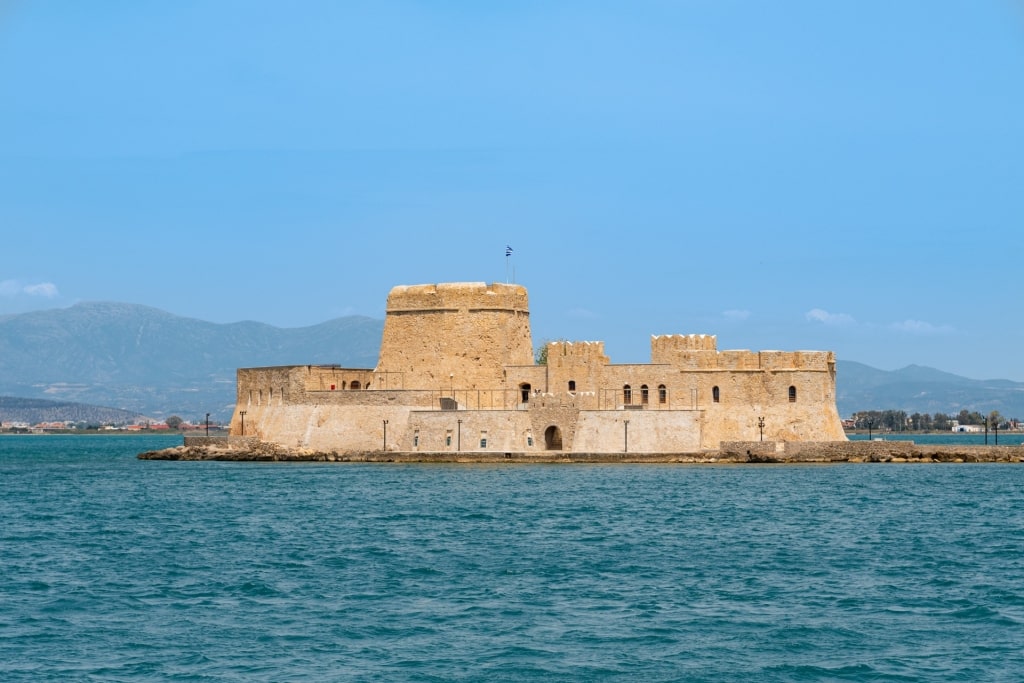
x: 115, y: 569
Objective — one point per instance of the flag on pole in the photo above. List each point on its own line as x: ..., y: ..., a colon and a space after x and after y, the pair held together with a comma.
x: 508, y: 250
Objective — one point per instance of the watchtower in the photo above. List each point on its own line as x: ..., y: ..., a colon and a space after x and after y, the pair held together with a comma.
x: 454, y: 335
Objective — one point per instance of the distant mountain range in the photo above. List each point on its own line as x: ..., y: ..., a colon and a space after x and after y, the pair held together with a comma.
x: 918, y: 389
x: 32, y: 411
x: 149, y: 362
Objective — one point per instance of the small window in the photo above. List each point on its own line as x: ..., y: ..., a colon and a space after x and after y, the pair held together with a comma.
x: 792, y: 394
x: 644, y: 394
x: 483, y: 443
x: 529, y: 441
x: 662, y: 393
x: 448, y: 440
x: 627, y: 394
x: 572, y: 385
x: 354, y: 386
x: 415, y: 441
x: 715, y: 396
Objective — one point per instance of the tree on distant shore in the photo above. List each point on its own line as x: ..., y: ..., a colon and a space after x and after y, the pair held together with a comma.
x: 173, y: 421
x: 897, y: 420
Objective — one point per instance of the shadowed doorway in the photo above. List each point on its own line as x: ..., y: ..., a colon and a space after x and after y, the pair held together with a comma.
x: 553, y: 438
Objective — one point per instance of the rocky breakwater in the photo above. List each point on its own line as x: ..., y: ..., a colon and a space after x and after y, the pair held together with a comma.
x: 733, y: 452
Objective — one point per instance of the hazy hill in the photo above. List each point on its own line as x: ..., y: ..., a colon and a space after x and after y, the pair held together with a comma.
x: 923, y: 390
x: 35, y: 410
x: 150, y: 362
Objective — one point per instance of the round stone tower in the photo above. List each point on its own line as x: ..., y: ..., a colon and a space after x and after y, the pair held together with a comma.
x: 459, y: 335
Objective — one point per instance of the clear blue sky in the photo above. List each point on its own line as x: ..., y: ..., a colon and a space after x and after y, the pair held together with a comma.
x: 844, y: 175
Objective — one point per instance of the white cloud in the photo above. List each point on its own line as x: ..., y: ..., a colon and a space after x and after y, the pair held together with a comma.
x: 47, y: 289
x: 11, y: 289
x: 920, y: 327
x: 826, y: 318
x: 735, y: 315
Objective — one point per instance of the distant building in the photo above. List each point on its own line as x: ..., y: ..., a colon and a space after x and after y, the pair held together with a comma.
x: 456, y: 372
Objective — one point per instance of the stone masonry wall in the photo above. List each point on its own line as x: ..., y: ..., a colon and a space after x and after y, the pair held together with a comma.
x: 455, y: 336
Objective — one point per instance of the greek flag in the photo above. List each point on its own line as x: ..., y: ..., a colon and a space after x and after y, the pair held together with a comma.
x: 508, y: 250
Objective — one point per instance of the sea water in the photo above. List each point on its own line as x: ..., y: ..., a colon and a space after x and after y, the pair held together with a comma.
x: 115, y: 569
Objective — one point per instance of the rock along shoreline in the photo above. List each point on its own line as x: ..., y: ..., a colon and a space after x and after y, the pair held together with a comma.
x: 757, y: 452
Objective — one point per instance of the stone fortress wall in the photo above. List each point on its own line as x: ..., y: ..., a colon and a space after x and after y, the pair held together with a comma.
x: 456, y: 373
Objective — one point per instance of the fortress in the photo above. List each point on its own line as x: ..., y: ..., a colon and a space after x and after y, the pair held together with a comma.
x: 456, y: 373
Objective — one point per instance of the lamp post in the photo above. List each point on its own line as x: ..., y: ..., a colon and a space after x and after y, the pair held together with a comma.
x: 385, y: 448
x: 458, y: 436
x: 760, y: 426
x: 625, y: 447
x: 207, y: 424
x: 986, y: 430
x: 869, y: 430
x: 242, y: 413
x: 995, y: 428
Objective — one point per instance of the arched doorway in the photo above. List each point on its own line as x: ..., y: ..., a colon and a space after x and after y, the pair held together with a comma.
x: 553, y: 438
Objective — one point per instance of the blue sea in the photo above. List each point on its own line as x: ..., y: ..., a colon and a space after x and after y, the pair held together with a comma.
x: 115, y: 569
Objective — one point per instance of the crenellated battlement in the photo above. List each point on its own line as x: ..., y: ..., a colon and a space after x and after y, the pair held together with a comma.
x: 457, y: 296
x: 574, y: 353
x: 683, y: 342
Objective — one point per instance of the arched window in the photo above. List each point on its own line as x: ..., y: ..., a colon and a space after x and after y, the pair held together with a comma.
x: 627, y: 394
x: 354, y: 386
x: 715, y: 396
x: 572, y: 385
x: 644, y: 394
x: 662, y: 393
x: 792, y: 394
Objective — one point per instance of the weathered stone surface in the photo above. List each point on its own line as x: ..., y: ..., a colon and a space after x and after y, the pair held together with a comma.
x: 456, y: 374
